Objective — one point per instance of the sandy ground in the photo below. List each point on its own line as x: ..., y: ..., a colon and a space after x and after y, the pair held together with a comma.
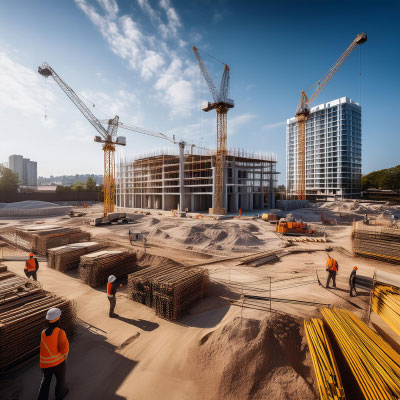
x: 251, y: 349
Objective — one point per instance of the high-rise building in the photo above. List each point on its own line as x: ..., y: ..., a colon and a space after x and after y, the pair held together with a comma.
x: 25, y: 168
x: 333, y: 151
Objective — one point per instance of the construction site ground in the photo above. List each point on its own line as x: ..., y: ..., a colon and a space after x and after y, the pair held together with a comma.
x: 228, y: 346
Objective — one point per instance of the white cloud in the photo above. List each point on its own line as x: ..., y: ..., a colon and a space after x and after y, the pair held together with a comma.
x: 238, y: 121
x: 155, y: 59
x: 21, y: 88
x: 267, y: 127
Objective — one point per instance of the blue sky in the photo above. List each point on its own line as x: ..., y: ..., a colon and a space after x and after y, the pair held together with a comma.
x: 134, y: 58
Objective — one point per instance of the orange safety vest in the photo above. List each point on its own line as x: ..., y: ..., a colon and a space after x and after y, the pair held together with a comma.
x: 332, y: 265
x: 109, y: 287
x: 50, y: 356
x: 30, y: 264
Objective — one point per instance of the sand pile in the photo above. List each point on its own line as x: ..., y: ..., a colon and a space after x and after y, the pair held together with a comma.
x: 253, y: 359
x: 230, y: 236
x: 32, y: 208
x: 356, y: 207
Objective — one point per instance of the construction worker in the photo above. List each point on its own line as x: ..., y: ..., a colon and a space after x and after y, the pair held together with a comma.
x: 111, y: 291
x: 54, y: 348
x: 31, y: 267
x: 332, y: 267
x: 352, y: 281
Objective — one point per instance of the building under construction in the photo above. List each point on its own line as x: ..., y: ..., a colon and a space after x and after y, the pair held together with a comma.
x: 186, y: 182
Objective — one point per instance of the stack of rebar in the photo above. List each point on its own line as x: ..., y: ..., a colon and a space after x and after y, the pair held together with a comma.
x: 95, y: 268
x: 169, y: 289
x: 326, y: 370
x: 39, y: 239
x: 23, y: 308
x: 67, y: 257
x: 377, y: 242
x: 386, y: 303
x: 374, y: 363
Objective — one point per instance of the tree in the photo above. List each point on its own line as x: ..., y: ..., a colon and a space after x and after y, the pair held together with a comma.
x: 91, y: 184
x: 78, y: 186
x: 9, y: 180
x: 383, y: 179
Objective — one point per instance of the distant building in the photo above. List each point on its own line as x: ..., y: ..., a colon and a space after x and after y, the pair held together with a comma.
x: 333, y: 151
x: 25, y: 168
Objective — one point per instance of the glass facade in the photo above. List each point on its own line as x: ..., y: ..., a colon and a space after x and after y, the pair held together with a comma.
x: 333, y: 151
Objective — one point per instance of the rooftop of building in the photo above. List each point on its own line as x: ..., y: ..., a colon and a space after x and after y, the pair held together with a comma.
x: 328, y: 104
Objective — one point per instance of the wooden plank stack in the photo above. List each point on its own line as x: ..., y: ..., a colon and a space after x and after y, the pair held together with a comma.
x: 40, y: 238
x: 376, y: 242
x: 170, y: 290
x: 67, y: 257
x: 23, y: 308
x: 95, y: 268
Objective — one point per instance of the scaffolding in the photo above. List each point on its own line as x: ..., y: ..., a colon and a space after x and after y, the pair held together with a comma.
x: 167, y: 180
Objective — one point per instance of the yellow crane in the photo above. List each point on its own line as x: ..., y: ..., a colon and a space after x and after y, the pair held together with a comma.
x: 303, y: 110
x: 107, y: 136
x: 221, y: 104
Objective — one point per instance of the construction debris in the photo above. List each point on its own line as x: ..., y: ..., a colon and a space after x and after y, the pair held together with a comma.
x: 67, y: 257
x: 170, y: 290
x: 377, y: 242
x: 23, y: 308
x: 326, y: 370
x: 374, y: 363
x: 94, y: 268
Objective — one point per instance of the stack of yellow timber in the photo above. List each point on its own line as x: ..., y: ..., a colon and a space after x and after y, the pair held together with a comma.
x: 386, y: 303
x: 326, y: 370
x: 374, y: 363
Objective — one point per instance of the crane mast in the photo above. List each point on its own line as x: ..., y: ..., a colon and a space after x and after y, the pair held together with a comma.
x: 303, y: 111
x: 107, y: 137
x: 221, y: 103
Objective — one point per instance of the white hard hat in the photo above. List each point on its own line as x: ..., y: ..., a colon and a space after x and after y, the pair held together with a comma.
x: 53, y: 314
x: 112, y: 278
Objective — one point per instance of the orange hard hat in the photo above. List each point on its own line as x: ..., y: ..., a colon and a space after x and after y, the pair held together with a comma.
x: 355, y: 268
x: 31, y: 254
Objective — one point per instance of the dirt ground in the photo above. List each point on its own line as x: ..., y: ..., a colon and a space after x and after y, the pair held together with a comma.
x: 225, y: 347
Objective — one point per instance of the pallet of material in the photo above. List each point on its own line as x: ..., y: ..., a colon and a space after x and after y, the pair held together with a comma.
x: 23, y: 308
x: 376, y: 242
x: 67, y: 257
x: 95, y: 268
x: 40, y: 238
x: 170, y: 290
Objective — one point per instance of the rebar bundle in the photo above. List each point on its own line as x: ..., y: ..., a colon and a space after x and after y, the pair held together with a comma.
x: 386, y: 303
x: 169, y: 289
x: 376, y: 242
x: 374, y: 363
x: 23, y: 308
x: 67, y: 257
x: 95, y: 268
x: 39, y: 240
x: 326, y: 370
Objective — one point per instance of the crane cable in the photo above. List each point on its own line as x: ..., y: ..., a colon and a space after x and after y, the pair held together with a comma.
x: 45, y: 99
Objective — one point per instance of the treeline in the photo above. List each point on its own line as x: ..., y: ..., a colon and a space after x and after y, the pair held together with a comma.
x: 383, y: 179
x: 88, y: 186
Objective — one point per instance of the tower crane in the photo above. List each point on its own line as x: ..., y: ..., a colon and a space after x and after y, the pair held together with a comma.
x: 107, y: 136
x: 221, y: 103
x: 303, y: 110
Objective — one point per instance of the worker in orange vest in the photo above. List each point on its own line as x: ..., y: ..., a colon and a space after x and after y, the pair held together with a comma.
x: 352, y: 281
x: 332, y: 267
x: 31, y: 267
x: 54, y: 348
x: 111, y: 292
